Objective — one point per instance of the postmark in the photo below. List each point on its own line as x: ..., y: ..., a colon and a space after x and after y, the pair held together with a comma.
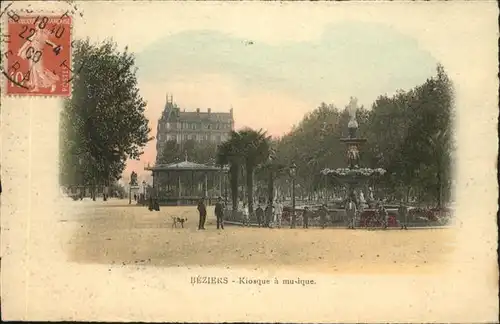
x: 38, y: 54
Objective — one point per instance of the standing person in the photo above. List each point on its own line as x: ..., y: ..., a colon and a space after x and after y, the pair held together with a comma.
x: 202, y: 210
x: 219, y: 213
x: 305, y: 217
x: 383, y: 215
x: 259, y: 212
x: 151, y: 203
x: 267, y: 214
x: 246, y: 216
x: 351, y: 213
x: 323, y: 212
x: 156, y: 206
x: 403, y: 215
x: 278, y: 212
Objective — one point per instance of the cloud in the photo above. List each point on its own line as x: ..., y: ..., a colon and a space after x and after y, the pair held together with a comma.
x: 364, y: 60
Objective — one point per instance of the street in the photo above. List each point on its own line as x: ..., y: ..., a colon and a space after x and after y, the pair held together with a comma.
x: 114, y: 232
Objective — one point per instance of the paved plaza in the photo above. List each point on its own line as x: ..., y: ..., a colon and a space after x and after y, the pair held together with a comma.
x: 114, y: 232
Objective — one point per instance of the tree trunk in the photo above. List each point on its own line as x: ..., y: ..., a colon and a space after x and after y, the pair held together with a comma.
x: 250, y: 188
x: 439, y: 189
x: 234, y: 185
x: 270, y: 187
x: 439, y: 185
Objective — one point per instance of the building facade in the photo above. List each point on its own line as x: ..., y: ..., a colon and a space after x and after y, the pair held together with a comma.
x: 201, y: 126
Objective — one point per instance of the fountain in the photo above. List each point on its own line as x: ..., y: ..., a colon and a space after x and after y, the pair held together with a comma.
x: 354, y: 177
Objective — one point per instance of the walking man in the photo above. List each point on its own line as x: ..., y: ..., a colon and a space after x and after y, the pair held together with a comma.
x: 219, y: 213
x: 203, y: 213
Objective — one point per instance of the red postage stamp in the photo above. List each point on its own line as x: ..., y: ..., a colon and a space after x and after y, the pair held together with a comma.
x: 38, y: 56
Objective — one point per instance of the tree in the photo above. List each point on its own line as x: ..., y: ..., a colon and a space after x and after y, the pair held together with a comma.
x: 103, y: 124
x: 244, y: 150
x: 409, y: 134
x: 198, y: 152
x: 230, y: 153
x: 171, y: 153
x: 255, y: 150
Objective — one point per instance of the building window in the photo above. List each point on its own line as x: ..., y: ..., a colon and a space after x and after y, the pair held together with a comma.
x: 167, y: 125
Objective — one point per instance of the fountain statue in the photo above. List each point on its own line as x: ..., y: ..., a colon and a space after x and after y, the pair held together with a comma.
x: 361, y: 197
x: 354, y: 177
x: 370, y: 194
x: 352, y: 108
x: 353, y: 156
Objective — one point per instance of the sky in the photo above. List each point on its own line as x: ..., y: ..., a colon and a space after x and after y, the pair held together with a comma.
x: 272, y: 66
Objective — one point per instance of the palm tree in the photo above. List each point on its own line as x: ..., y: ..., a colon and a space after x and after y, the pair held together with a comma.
x: 230, y: 153
x: 255, y: 147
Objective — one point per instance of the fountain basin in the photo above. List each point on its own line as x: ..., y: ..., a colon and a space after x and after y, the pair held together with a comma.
x: 353, y: 173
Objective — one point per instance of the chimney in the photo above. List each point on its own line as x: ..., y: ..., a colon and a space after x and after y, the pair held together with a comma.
x: 231, y: 111
x: 209, y: 110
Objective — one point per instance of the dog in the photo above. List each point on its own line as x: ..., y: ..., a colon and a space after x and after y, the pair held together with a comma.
x: 178, y: 220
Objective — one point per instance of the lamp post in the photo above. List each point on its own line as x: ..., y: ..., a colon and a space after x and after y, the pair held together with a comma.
x: 130, y: 193
x: 133, y: 182
x: 144, y: 191
x: 270, y: 186
x: 293, y: 169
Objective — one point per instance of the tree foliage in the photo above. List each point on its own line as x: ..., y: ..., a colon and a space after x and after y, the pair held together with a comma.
x: 198, y: 152
x: 230, y: 153
x: 245, y: 150
x: 103, y: 124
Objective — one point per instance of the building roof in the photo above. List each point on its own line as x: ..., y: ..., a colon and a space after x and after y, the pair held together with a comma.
x: 201, y: 116
x: 173, y: 112
x: 184, y: 165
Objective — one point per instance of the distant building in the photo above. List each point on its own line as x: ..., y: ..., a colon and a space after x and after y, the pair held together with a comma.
x: 200, y: 126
